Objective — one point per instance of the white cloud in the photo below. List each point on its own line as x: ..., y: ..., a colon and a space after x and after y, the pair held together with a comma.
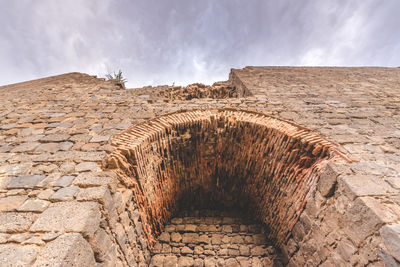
x: 160, y: 42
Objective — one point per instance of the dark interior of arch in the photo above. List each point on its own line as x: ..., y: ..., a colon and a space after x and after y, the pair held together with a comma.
x: 221, y: 159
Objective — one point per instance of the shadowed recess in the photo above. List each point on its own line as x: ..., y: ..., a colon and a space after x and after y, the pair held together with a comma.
x: 217, y: 159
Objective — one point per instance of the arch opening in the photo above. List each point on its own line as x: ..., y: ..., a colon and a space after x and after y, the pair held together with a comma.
x: 221, y: 159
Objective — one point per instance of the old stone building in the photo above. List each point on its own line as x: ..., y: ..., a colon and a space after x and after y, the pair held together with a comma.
x: 276, y: 166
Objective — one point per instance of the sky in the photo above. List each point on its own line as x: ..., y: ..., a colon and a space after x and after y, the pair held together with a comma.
x: 156, y: 42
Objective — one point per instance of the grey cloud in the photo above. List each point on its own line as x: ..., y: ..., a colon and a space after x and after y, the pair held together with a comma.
x: 159, y: 42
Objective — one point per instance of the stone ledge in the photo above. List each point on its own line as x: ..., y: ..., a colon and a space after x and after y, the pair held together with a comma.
x: 365, y: 185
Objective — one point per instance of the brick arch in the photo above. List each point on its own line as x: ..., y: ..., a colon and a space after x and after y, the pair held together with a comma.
x: 224, y: 158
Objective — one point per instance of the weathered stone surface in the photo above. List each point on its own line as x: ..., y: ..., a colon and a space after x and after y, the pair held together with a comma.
x: 25, y: 181
x: 327, y: 181
x: 11, y: 222
x: 50, y: 236
x: 185, y: 262
x: 16, y: 255
x: 45, y: 194
x: 65, y: 193
x: 357, y: 186
x: 366, y: 215
x: 11, y: 203
x: 391, y: 238
x: 25, y: 147
x: 55, y: 138
x: 94, y: 194
x: 87, y: 166
x: 157, y: 261
x: 83, y: 217
x: 67, y: 250
x: 34, y: 205
x: 101, y: 244
x: 100, y: 138
x: 64, y: 181
x: 48, y: 147
x: 89, y: 179
x: 170, y: 261
x: 4, y: 237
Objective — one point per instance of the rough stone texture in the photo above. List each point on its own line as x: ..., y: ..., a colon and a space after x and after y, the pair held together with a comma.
x: 66, y: 250
x: 205, y: 241
x: 16, y: 255
x: 26, y: 181
x: 49, y: 126
x: 83, y: 217
x: 35, y: 205
x: 11, y: 203
x: 11, y: 222
x: 391, y: 239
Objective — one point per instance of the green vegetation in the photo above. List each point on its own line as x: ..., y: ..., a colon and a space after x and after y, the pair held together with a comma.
x: 117, y: 77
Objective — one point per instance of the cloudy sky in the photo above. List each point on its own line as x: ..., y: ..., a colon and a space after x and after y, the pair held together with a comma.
x: 183, y: 41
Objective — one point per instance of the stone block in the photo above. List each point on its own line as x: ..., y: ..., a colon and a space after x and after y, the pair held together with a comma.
x: 191, y: 238
x: 388, y: 260
x: 87, y: 166
x: 298, y: 232
x: 186, y: 250
x: 100, y: 138
x: 17, y: 255
x: 391, y: 238
x: 34, y: 205
x: 98, y: 193
x: 11, y: 203
x: 210, y: 262
x: 83, y: 217
x: 170, y: 261
x: 185, y: 262
x: 67, y: 167
x: 362, y: 185
x: 63, y: 181
x: 164, y: 237
x: 346, y: 249
x: 90, y: 179
x: 25, y: 147
x: 25, y: 181
x: 176, y: 237
x: 12, y: 222
x: 45, y: 194
x: 55, y: 138
x: 366, y: 215
x: 327, y: 181
x: 67, y: 250
x: 157, y: 261
x: 101, y: 244
x: 65, y: 193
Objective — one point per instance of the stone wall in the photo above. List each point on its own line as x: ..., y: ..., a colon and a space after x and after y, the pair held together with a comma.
x: 59, y: 207
x: 212, y: 237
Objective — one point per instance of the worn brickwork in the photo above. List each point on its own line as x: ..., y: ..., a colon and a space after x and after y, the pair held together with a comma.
x: 221, y: 158
x: 210, y: 237
x: 59, y: 205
